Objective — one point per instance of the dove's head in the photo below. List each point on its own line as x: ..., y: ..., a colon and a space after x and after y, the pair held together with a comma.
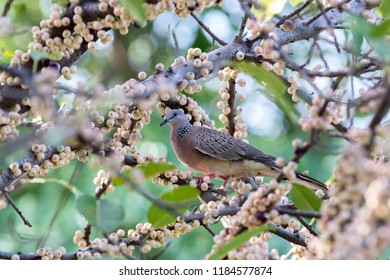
x: 175, y: 118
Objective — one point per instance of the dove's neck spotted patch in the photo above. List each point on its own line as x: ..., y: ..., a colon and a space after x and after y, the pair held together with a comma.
x: 183, y: 130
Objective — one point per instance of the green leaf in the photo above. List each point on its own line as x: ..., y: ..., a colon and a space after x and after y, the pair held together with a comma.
x: 110, y: 214
x: 86, y: 205
x: 330, y: 180
x: 183, y: 194
x: 36, y: 57
x: 135, y: 9
x: 304, y: 198
x: 384, y: 8
x: 160, y: 217
x: 382, y: 29
x: 276, y: 88
x: 55, y: 56
x: 152, y: 169
x: 357, y: 40
x: 267, y: 78
x: 269, y: 8
x: 149, y: 169
x: 117, y: 181
x: 236, y: 242
x: 184, y: 197
x: 375, y: 36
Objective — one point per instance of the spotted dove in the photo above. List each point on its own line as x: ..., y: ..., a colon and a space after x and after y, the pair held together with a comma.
x: 222, y: 156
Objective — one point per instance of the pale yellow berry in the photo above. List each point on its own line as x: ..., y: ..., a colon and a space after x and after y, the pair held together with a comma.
x: 93, y: 46
x: 146, y: 248
x: 241, y: 82
x: 159, y: 67
x: 26, y: 166
x: 240, y: 55
x: 14, y: 166
x: 204, y: 72
x: 142, y: 75
x: 197, y: 63
x: 204, y: 186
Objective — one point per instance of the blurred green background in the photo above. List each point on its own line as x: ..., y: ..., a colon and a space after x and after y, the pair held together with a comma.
x: 51, y: 208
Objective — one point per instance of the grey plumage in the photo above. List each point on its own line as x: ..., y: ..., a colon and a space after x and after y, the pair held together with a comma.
x: 225, y: 147
x: 214, y: 153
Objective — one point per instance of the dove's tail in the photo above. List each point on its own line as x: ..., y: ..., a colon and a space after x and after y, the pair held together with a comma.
x: 310, y: 182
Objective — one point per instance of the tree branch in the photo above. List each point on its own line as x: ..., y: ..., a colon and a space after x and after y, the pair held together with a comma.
x: 10, y: 201
x: 7, y: 177
x: 294, y: 13
x: 246, y: 7
x: 291, y: 237
x: 381, y: 112
x: 7, y: 7
x: 304, y: 31
x: 308, y: 226
x: 296, y: 213
x: 205, y: 28
x: 231, y: 101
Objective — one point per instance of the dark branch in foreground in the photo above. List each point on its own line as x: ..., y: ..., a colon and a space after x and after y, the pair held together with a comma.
x: 382, y: 111
x: 7, y: 7
x: 73, y: 256
x: 308, y: 226
x: 291, y: 237
x: 293, y: 212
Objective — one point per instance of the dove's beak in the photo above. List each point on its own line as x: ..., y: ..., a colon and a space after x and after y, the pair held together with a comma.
x: 163, y: 122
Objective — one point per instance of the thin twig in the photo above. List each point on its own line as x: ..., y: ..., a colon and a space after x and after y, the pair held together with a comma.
x: 7, y: 7
x: 296, y: 213
x: 382, y: 111
x: 246, y: 7
x: 307, y: 225
x: 158, y: 202
x: 321, y: 54
x: 206, y: 227
x: 240, y: 34
x: 158, y: 254
x: 10, y: 201
x: 329, y: 23
x: 294, y: 13
x: 205, y: 28
x: 310, y: 54
x: 300, y: 152
x: 291, y: 237
x: 334, y: 134
x: 87, y: 233
x: 98, y: 195
x: 350, y: 116
x: 324, y: 11
x: 102, y: 189
x: 175, y: 41
x: 232, y: 97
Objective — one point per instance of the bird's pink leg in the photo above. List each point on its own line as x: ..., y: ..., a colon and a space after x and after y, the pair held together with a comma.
x: 225, y: 181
